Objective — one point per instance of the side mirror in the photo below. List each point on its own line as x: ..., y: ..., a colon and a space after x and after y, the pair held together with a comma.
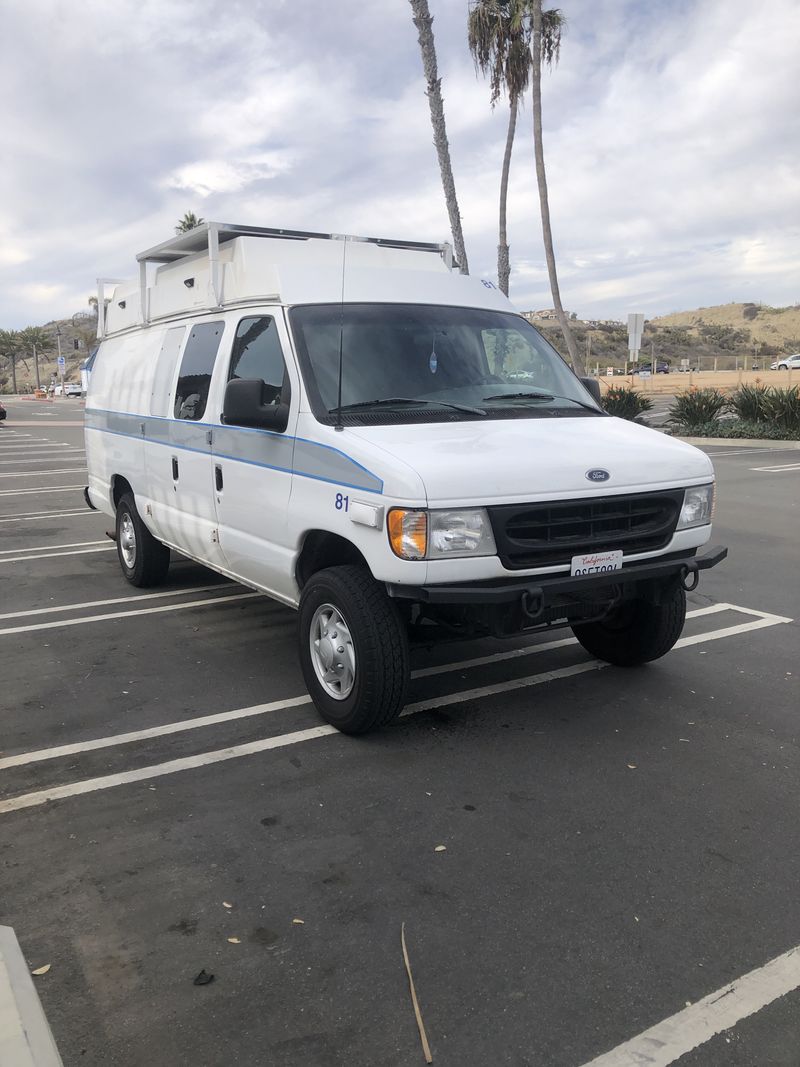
x: 593, y: 386
x: 243, y: 405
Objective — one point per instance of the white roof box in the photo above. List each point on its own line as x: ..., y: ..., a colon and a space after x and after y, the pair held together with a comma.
x: 216, y: 265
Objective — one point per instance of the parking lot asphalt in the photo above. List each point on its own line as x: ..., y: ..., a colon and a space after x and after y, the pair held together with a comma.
x: 618, y: 845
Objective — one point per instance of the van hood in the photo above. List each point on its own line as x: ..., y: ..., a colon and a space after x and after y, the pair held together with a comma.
x: 517, y: 460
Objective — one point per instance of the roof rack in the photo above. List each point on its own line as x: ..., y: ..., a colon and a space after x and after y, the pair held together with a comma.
x: 208, y: 236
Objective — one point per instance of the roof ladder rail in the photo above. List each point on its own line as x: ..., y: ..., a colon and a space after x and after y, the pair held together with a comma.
x: 101, y: 303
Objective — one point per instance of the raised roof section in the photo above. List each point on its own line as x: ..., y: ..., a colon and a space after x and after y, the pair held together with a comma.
x: 218, y: 265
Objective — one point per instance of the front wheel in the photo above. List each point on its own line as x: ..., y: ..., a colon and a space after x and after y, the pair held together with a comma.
x: 636, y: 631
x: 353, y: 649
x: 143, y: 559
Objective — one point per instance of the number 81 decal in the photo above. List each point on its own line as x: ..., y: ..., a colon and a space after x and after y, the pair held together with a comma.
x: 342, y: 503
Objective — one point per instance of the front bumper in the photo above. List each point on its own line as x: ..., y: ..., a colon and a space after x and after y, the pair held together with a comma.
x: 548, y: 591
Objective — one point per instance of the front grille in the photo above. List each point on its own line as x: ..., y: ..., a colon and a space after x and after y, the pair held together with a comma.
x: 548, y: 534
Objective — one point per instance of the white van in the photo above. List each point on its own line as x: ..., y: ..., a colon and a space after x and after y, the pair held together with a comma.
x: 361, y: 432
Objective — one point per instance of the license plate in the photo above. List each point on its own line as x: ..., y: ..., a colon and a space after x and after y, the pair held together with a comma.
x: 596, y: 563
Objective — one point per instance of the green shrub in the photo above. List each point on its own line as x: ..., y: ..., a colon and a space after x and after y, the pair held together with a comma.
x: 748, y: 402
x: 697, y: 407
x: 739, y: 428
x: 626, y: 403
x: 782, y: 407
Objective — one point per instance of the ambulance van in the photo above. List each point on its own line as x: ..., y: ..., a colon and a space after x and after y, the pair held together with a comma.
x: 361, y: 432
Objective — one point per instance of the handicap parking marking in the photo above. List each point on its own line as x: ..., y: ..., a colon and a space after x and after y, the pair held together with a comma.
x: 667, y: 1041
x: 759, y: 620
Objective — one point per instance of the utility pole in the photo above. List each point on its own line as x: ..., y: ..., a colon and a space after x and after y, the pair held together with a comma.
x: 60, y: 360
x: 36, y: 368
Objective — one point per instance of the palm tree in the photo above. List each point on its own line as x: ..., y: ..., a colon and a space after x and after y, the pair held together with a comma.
x: 498, y: 33
x: 34, y: 337
x: 424, y: 23
x: 188, y: 222
x: 9, y: 343
x: 542, y: 49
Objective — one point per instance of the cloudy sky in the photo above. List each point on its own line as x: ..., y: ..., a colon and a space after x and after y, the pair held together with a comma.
x: 672, y: 137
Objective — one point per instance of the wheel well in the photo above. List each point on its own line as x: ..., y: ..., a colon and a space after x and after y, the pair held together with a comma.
x: 322, y: 549
x: 119, y: 487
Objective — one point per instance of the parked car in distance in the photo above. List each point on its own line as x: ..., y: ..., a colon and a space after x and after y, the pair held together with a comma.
x: 3, y: 413
x: 662, y: 367
x: 787, y: 363
x: 73, y: 389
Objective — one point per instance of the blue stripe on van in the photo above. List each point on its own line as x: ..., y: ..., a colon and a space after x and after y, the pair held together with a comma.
x: 259, y: 448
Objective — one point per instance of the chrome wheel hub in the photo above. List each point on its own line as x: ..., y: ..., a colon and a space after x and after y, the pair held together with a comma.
x: 332, y: 652
x: 127, y: 541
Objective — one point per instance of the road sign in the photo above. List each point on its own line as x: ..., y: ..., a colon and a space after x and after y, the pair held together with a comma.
x: 62, y: 361
x: 609, y: 372
x: 635, y: 328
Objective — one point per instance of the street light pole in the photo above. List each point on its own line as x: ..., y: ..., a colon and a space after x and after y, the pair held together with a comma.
x: 60, y: 364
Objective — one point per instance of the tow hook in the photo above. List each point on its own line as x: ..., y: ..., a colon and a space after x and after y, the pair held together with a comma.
x: 690, y: 577
x: 532, y: 604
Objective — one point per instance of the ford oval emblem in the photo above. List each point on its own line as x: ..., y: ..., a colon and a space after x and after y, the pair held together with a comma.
x: 598, y: 475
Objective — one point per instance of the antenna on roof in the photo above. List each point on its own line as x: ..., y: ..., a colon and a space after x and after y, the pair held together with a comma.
x: 338, y: 423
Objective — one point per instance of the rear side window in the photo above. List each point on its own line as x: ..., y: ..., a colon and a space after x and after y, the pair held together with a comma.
x: 257, y: 355
x: 161, y: 397
x: 197, y: 365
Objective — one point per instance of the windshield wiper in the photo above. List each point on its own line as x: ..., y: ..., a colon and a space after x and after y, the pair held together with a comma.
x: 532, y: 395
x: 388, y: 401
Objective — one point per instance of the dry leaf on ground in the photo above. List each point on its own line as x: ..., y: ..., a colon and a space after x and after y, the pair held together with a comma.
x: 42, y: 970
x: 234, y: 941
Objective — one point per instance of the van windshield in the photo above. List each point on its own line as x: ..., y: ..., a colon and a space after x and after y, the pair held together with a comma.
x: 404, y: 362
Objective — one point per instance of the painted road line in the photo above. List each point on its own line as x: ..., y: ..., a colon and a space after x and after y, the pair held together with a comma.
x: 49, y: 548
x: 62, y: 454
x: 40, y: 489
x: 667, y: 1041
x: 58, y: 555
x: 84, y: 512
x: 41, y: 474
x: 205, y: 758
x: 182, y: 725
x: 124, y: 614
x: 117, y: 600
x: 778, y: 470
x: 750, y: 451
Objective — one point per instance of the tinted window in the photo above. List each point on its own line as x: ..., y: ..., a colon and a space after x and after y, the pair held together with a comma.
x: 191, y: 392
x: 257, y: 355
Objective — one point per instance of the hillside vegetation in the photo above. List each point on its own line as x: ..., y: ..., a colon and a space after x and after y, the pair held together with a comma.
x: 728, y: 336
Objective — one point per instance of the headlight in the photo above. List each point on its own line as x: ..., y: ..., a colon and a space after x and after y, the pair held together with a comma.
x: 698, y: 507
x: 437, y: 534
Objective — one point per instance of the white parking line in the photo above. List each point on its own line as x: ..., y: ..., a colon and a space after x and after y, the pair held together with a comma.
x: 122, y: 614
x: 40, y: 548
x: 778, y: 470
x: 749, y: 451
x: 83, y: 512
x: 117, y: 600
x: 57, y: 555
x: 205, y: 758
x: 64, y: 452
x: 40, y: 489
x: 686, y: 1030
x: 41, y: 474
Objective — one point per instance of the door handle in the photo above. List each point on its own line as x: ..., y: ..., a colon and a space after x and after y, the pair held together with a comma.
x: 174, y: 469
x: 218, y: 477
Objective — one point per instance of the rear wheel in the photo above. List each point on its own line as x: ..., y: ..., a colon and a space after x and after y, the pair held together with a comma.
x: 637, y: 631
x: 353, y: 649
x: 143, y: 559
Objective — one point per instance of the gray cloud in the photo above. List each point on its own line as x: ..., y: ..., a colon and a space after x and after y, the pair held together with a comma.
x: 671, y: 142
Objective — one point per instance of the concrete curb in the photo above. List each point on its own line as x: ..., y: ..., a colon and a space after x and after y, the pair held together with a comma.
x: 25, y: 1036
x: 739, y: 442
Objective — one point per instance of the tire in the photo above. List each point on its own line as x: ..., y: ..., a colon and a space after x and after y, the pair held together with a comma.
x: 637, y: 631
x: 143, y: 559
x: 371, y: 689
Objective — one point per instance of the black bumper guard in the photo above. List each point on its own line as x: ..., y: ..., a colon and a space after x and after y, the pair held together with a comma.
x: 538, y: 593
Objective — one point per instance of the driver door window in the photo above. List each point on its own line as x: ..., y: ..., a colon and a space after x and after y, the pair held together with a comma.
x: 257, y: 355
